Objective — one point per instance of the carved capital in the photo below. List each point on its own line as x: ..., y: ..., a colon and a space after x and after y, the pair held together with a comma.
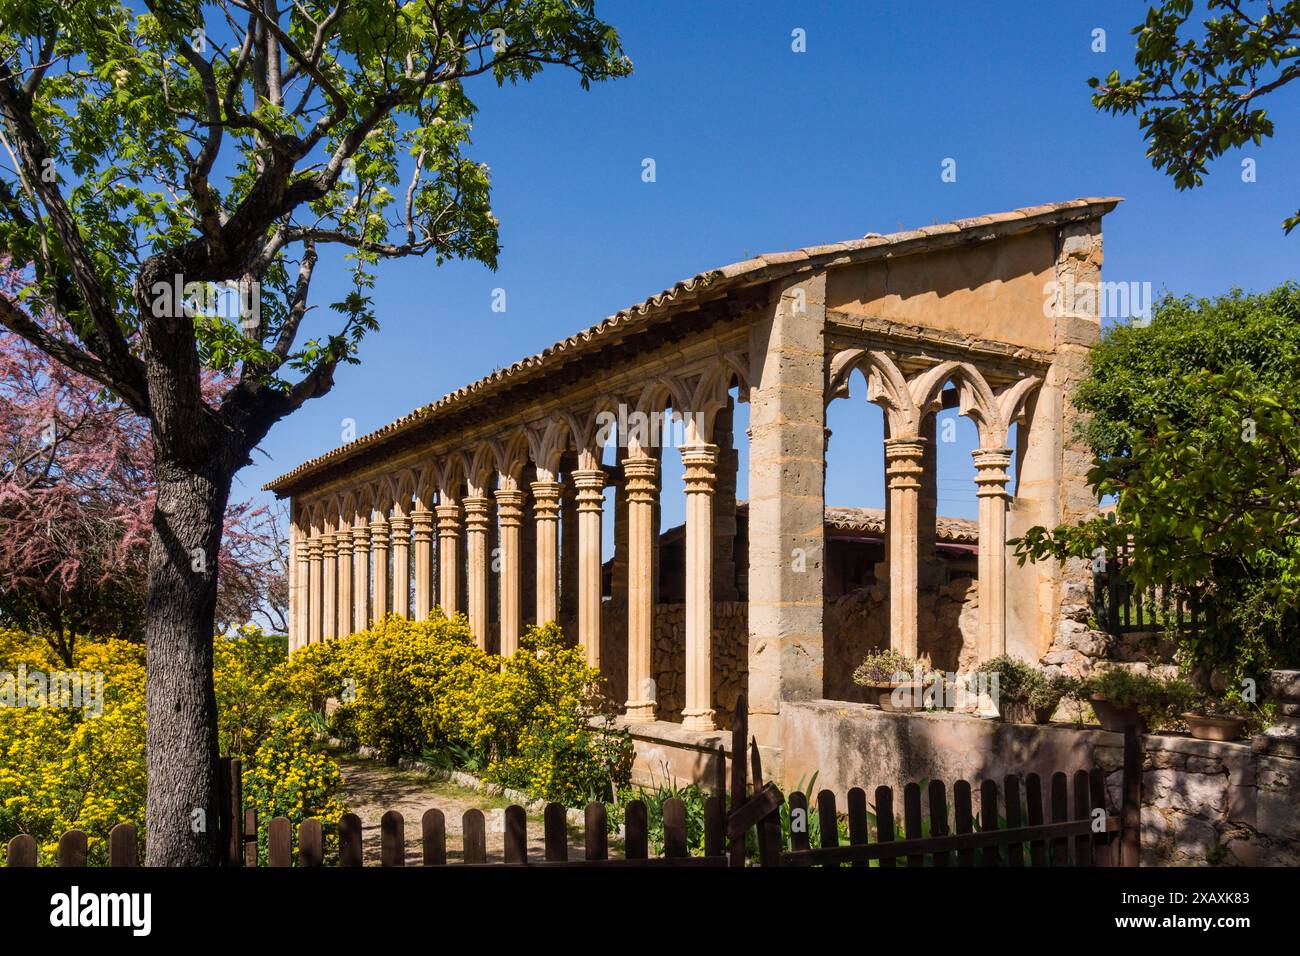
x: 546, y: 500
x: 477, y: 509
x: 641, y: 480
x: 510, y: 507
x: 701, y: 466
x: 448, y: 520
x: 991, y: 476
x: 903, y: 462
x: 590, y: 485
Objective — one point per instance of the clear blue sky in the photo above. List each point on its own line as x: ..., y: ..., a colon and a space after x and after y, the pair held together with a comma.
x: 758, y: 148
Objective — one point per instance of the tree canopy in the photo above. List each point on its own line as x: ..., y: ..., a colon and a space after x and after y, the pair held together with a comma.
x: 1198, y: 92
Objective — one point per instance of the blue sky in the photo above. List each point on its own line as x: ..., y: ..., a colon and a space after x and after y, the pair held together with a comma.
x: 758, y: 148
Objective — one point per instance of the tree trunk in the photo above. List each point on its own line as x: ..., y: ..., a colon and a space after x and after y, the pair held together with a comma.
x: 180, y: 705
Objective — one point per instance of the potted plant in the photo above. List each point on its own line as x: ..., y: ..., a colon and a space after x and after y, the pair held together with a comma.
x: 1121, y: 697
x: 1022, y: 692
x: 1218, y: 717
x: 897, y: 680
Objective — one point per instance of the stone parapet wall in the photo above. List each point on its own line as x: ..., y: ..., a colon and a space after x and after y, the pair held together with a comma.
x: 1203, y: 802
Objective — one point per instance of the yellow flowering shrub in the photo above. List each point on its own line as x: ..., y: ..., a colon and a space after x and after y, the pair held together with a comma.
x: 412, y: 688
x: 289, y: 777
x: 61, y: 767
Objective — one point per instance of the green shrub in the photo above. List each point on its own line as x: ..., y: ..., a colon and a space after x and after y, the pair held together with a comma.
x: 1020, y: 681
x: 534, y: 722
x: 1159, y: 700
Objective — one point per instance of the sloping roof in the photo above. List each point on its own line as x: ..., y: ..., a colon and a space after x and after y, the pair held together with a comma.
x: 687, y: 292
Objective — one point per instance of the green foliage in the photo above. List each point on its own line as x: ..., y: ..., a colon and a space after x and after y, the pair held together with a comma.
x: 1159, y: 700
x: 533, y: 722
x: 692, y: 797
x: 1139, y: 374
x: 175, y: 126
x: 888, y: 665
x: 1021, y: 681
x: 62, y: 768
x: 1196, y: 434
x: 1197, y: 93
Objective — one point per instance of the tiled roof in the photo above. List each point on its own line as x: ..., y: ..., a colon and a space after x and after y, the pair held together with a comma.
x: 689, y: 291
x: 872, y: 521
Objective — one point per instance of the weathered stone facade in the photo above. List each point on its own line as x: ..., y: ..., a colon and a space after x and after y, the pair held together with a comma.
x: 490, y: 501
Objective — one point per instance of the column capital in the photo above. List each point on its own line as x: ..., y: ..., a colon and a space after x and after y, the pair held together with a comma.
x: 400, y: 524
x: 328, y: 543
x: 314, y: 547
x: 448, y: 518
x: 361, y: 538
x: 343, y: 542
x: 422, y: 523
x: 641, y: 479
x: 991, y: 476
x: 476, y: 512
x: 701, y: 465
x: 590, y: 486
x: 379, y: 534
x: 903, y: 462
x: 546, y: 499
x: 510, y: 506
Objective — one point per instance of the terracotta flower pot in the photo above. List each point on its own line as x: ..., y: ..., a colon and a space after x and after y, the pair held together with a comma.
x: 908, y: 700
x: 1018, y: 711
x: 1115, y: 717
x: 1203, y: 727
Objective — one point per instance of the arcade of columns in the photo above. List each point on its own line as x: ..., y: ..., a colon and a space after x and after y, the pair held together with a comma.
x: 984, y: 314
x: 353, y: 548
x: 345, y: 544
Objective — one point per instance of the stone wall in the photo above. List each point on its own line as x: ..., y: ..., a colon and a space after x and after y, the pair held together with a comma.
x: 1204, y: 802
x: 857, y: 623
x: 668, y: 656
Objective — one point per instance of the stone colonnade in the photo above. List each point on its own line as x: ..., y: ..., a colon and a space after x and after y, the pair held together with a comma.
x: 353, y: 550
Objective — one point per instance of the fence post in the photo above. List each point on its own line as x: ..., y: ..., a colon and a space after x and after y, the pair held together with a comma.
x: 1130, y: 841
x: 230, y: 811
x: 739, y: 735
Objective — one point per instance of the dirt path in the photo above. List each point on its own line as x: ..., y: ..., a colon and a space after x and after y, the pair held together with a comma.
x: 370, y: 789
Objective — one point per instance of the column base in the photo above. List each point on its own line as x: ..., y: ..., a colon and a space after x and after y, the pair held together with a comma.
x: 639, y: 712
x: 698, y: 720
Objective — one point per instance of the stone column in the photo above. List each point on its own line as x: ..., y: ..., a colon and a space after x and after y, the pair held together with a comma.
x: 700, y: 464
x: 510, y: 513
x: 315, y: 593
x: 786, y: 501
x: 300, y: 590
x: 422, y: 523
x: 590, y: 486
x: 641, y: 487
x: 991, y: 478
x: 448, y: 557
x: 379, y: 547
x: 546, y: 516
x: 400, y: 526
x: 344, y: 545
x: 618, y: 580
x: 569, y: 548
x: 903, y: 457
x: 724, y: 506
x: 330, y: 595
x: 360, y: 574
x: 477, y: 509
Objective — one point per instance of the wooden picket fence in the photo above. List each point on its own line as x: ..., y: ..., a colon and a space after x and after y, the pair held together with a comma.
x: 1015, y: 826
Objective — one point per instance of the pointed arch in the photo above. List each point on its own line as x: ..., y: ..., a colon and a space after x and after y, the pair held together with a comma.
x: 886, y: 387
x: 974, y: 398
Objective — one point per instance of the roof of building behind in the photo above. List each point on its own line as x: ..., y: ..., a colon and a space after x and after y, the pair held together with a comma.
x: 687, y: 292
